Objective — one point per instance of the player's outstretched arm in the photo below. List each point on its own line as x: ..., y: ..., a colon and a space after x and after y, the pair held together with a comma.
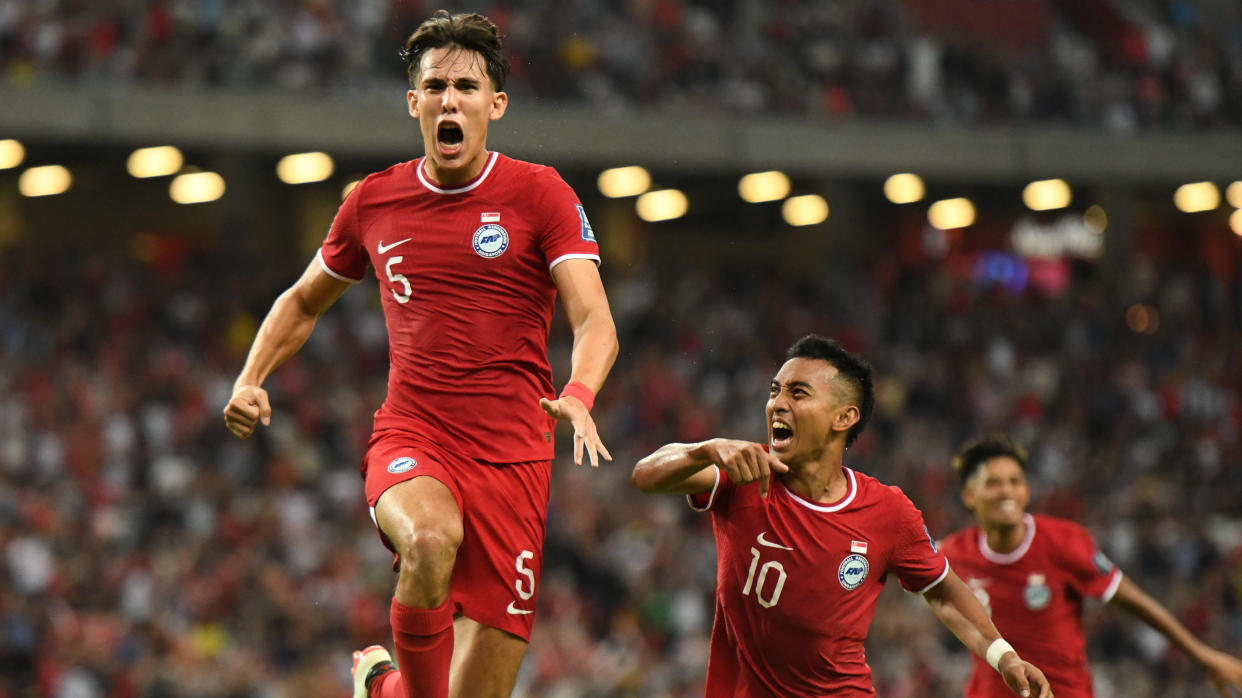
x: 282, y: 333
x: 595, y: 349
x: 1224, y: 670
x: 685, y: 468
x: 956, y: 606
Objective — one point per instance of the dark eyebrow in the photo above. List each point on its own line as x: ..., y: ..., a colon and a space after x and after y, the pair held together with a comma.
x: 793, y: 384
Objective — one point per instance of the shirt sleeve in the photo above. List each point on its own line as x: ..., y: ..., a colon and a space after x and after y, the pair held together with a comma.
x: 567, y: 234
x: 713, y: 499
x: 916, y: 560
x: 1089, y: 571
x: 342, y: 254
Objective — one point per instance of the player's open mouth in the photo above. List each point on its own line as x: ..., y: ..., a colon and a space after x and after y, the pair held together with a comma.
x: 782, y: 433
x: 449, y: 136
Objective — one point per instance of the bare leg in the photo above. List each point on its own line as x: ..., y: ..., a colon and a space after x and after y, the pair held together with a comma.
x: 485, y: 660
x: 421, y: 519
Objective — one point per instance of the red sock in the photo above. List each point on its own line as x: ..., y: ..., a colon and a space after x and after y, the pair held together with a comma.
x: 423, y: 640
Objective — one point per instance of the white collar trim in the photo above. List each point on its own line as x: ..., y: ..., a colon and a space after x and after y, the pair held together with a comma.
x: 1013, y: 555
x: 422, y: 176
x: 849, y: 496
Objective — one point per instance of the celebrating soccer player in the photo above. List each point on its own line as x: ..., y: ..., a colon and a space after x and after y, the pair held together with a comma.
x: 470, y: 248
x: 804, y: 543
x: 1032, y: 573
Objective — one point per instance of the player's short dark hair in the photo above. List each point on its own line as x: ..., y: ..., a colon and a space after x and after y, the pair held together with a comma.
x: 982, y: 449
x: 853, y: 370
x: 471, y: 31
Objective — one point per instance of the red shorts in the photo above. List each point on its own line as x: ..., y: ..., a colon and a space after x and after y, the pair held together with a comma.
x: 504, y: 511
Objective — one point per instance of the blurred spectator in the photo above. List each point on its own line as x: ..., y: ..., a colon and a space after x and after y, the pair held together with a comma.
x: 1118, y: 65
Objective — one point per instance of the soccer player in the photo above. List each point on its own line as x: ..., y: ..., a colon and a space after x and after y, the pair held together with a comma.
x: 804, y: 544
x: 470, y: 248
x: 1032, y: 573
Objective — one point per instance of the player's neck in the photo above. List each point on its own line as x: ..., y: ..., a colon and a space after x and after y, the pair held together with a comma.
x: 818, y: 481
x: 1004, y: 539
x: 445, y: 177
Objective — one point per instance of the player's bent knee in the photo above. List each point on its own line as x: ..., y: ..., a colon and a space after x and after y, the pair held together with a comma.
x: 429, y: 546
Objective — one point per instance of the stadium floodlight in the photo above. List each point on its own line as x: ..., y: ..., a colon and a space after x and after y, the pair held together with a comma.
x: 304, y: 168
x: 1142, y: 318
x: 349, y: 187
x: 948, y: 214
x: 662, y: 205
x: 620, y: 182
x: 1233, y: 194
x: 1095, y: 218
x: 904, y: 188
x: 156, y: 161
x: 196, y: 187
x: 1047, y: 195
x: 758, y: 187
x: 808, y: 209
x: 1235, y: 222
x: 12, y: 153
x: 1196, y: 197
x: 46, y: 180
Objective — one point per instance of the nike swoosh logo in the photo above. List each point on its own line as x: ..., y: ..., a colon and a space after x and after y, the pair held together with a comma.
x: 384, y: 248
x: 515, y: 611
x: 769, y: 544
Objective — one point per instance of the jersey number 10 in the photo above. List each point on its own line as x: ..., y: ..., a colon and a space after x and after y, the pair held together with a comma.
x: 767, y: 567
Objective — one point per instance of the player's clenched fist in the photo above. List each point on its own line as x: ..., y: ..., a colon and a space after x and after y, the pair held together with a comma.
x: 248, y: 406
x: 744, y: 461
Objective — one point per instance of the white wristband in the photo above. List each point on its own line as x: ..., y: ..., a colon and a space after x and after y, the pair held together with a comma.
x: 996, y: 650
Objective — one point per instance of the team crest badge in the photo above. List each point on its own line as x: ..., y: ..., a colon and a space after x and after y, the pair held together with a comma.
x: 1036, y: 594
x: 401, y: 465
x: 853, y: 571
x: 490, y: 241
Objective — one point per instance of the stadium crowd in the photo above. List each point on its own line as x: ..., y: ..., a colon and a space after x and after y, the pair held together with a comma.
x: 1121, y: 65
x: 144, y: 552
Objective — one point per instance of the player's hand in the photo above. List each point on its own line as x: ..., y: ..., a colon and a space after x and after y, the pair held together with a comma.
x: 1024, y: 678
x: 248, y: 406
x: 586, y: 438
x: 1224, y: 670
x: 745, y: 462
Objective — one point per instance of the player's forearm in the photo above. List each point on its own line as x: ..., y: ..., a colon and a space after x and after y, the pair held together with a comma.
x: 958, y: 609
x: 1134, y: 600
x: 670, y: 468
x: 595, y: 349
x: 285, y: 329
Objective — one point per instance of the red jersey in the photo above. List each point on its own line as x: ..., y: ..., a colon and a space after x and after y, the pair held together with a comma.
x: 467, y: 292
x: 1035, y: 595
x: 797, y: 582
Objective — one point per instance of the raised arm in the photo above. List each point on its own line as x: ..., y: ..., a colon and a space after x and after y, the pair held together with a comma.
x: 595, y: 349
x: 685, y: 468
x: 1224, y: 670
x: 282, y: 333
x: 956, y: 606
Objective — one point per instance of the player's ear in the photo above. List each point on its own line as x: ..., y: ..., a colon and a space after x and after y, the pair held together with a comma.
x: 846, y: 418
x: 968, y: 496
x: 500, y: 102
x: 411, y: 98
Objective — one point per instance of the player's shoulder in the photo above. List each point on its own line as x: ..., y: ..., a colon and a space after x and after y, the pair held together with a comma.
x: 530, y: 173
x: 1057, y: 528
x: 872, y: 489
x: 396, y: 176
x: 962, y: 540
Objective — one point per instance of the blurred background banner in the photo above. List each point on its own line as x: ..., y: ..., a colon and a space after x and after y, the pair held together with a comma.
x: 1026, y: 214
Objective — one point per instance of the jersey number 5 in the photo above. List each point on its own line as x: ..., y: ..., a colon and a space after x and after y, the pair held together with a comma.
x: 777, y: 585
x: 525, y: 592
x: 398, y: 279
